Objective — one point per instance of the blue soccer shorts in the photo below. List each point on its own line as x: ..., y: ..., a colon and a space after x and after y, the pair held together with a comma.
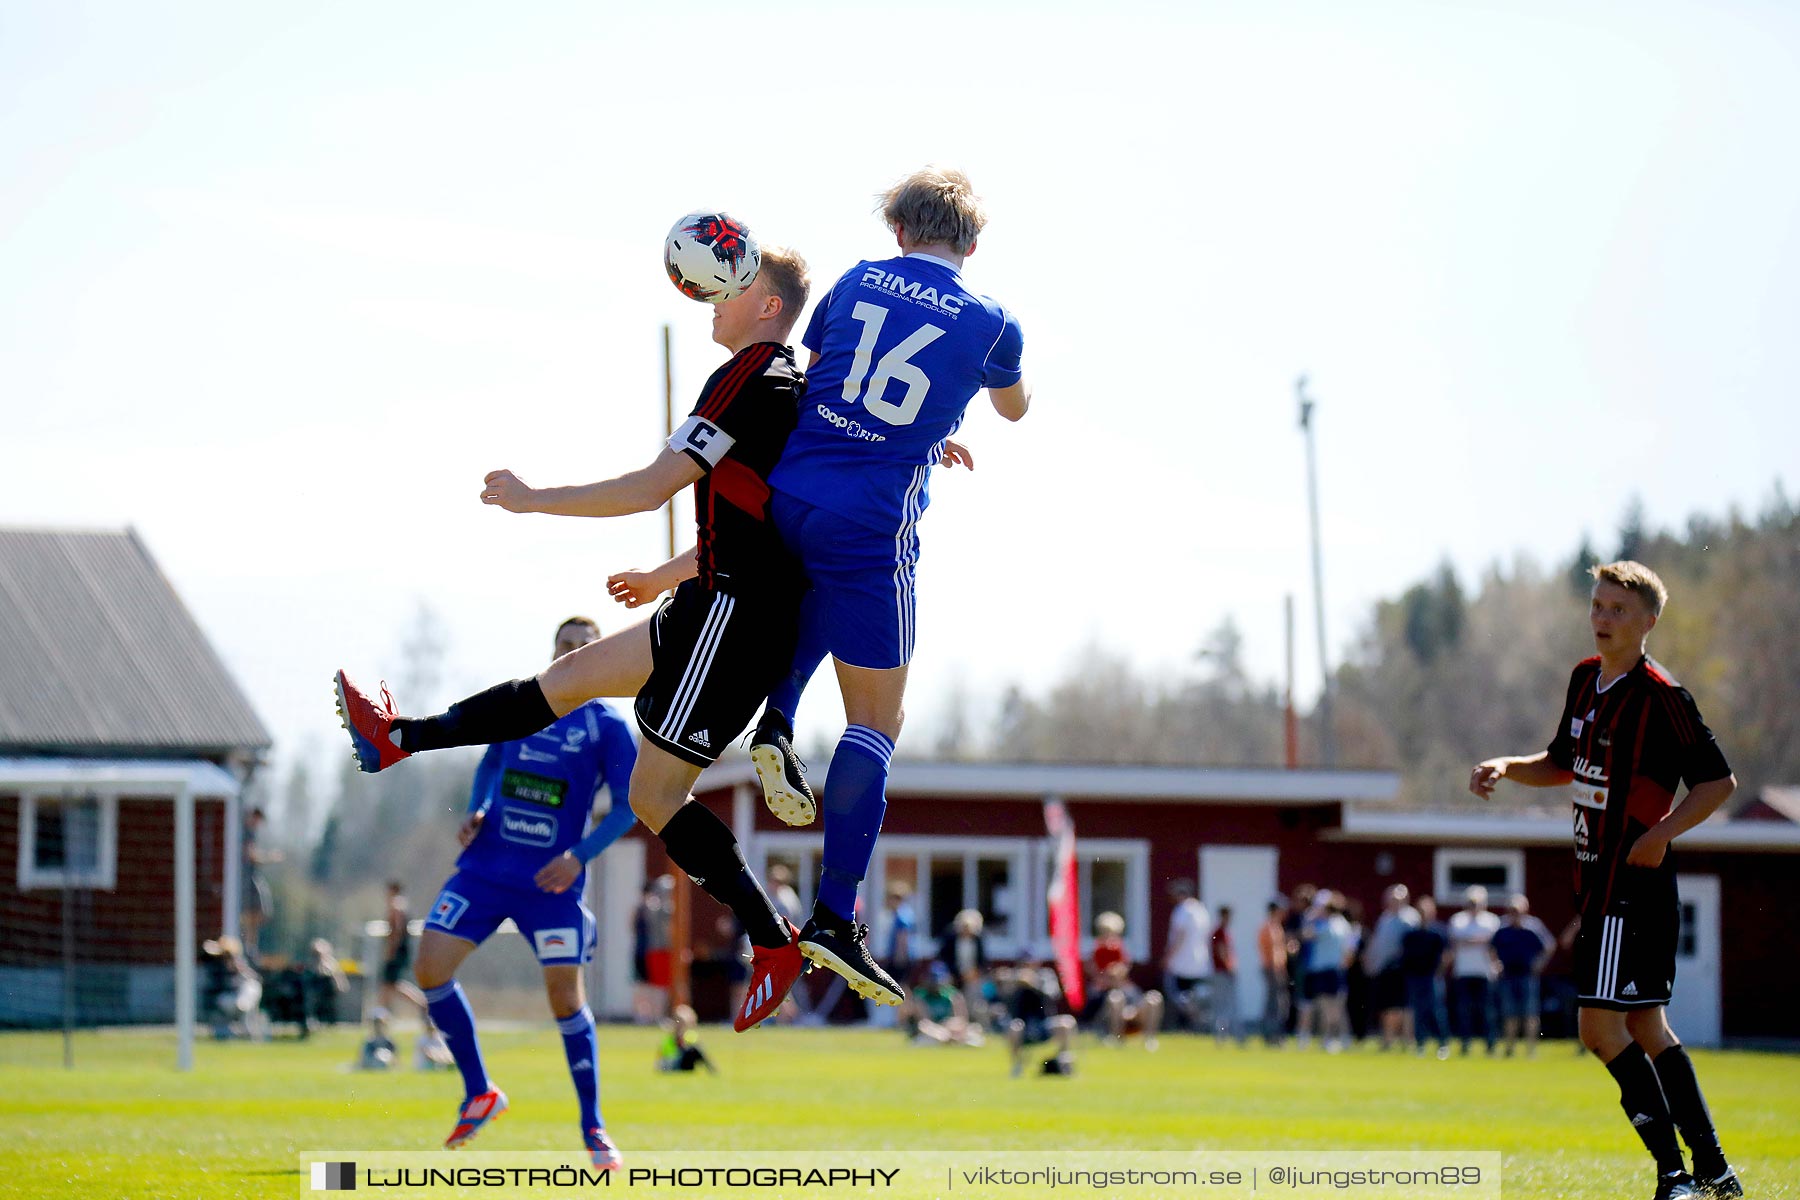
x: 863, y: 583
x: 559, y: 926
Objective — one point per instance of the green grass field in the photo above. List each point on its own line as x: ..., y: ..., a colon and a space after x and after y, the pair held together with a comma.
x: 125, y: 1123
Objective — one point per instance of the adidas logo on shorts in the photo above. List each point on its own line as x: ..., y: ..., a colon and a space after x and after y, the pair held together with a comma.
x: 1630, y: 990
x: 701, y: 738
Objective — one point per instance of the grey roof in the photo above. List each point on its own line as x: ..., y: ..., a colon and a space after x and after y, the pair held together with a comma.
x: 99, y: 656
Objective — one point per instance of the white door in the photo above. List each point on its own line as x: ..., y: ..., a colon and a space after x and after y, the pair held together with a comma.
x: 1244, y: 878
x: 1694, y: 1013
x: 615, y: 885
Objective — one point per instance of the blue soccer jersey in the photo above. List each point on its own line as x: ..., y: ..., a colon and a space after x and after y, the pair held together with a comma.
x: 536, y: 794
x: 903, y: 346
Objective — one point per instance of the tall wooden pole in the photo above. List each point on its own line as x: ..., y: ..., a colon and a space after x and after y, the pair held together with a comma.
x: 1290, y: 721
x: 681, y: 941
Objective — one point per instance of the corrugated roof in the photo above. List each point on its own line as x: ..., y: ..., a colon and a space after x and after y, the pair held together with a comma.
x: 99, y: 655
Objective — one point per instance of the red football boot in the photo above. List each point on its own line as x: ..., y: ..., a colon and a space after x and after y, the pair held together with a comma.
x: 773, y: 973
x: 369, y: 724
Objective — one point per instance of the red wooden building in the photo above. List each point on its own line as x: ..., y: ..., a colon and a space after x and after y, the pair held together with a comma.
x: 123, y: 746
x: 972, y: 835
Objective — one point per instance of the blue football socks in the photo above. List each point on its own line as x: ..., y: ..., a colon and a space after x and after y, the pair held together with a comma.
x: 855, y: 802
x: 583, y: 1052
x: 451, y: 1013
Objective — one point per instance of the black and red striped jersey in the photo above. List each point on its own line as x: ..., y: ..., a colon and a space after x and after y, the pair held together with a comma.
x: 736, y: 433
x: 1631, y: 745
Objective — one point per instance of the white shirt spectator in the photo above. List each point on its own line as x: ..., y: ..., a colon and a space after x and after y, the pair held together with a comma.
x: 1190, y: 940
x: 1471, y: 933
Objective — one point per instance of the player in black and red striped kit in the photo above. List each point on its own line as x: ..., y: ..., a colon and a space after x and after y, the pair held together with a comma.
x: 703, y: 664
x: 1628, y: 738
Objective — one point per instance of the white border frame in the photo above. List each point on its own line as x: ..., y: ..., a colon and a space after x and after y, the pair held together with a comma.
x: 1446, y: 857
x: 104, y: 877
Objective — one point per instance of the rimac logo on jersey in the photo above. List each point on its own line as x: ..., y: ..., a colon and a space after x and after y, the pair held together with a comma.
x: 950, y: 305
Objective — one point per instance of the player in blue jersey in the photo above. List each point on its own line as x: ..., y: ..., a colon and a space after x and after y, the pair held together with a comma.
x: 525, y: 857
x: 899, y: 348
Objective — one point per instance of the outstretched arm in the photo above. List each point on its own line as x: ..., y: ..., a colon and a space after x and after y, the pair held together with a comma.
x: 1535, y: 771
x: 640, y: 491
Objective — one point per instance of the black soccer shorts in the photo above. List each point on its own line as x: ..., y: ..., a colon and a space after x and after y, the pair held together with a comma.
x: 715, y: 656
x: 1625, y: 956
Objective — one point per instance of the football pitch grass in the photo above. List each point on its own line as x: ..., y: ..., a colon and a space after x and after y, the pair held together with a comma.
x: 124, y: 1123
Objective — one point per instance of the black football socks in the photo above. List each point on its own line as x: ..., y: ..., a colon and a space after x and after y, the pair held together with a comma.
x: 1675, y: 1070
x: 1641, y: 1096
x: 704, y: 847
x: 504, y: 713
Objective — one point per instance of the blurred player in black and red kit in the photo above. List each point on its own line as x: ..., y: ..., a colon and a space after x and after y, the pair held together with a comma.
x: 1629, y: 737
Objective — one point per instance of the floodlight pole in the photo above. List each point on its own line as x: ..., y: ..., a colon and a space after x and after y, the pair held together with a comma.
x: 1327, y: 739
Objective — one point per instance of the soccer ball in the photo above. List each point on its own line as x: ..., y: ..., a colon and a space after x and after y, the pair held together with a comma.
x: 711, y: 256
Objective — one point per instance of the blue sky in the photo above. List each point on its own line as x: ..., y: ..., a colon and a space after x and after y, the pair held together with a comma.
x: 277, y: 287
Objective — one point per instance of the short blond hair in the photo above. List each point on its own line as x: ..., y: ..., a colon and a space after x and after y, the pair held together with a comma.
x: 783, y: 275
x: 1110, y: 924
x: 937, y: 206
x: 1635, y: 578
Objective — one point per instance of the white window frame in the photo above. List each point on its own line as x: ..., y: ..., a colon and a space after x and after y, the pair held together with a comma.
x: 104, y: 876
x: 1024, y: 877
x: 1446, y: 857
x: 1135, y: 854
x: 798, y: 845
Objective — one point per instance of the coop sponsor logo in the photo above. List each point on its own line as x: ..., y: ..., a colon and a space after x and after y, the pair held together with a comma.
x: 949, y: 304
x: 527, y: 829
x: 853, y: 428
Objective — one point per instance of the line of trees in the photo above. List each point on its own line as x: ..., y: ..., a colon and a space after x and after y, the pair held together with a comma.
x: 1446, y: 673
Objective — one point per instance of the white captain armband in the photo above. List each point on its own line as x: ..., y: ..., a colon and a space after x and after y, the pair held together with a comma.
x: 700, y: 439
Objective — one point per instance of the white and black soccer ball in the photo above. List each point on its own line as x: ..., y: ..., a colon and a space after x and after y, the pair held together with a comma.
x: 711, y: 256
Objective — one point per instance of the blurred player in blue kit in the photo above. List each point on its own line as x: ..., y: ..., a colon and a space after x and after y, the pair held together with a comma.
x: 525, y: 857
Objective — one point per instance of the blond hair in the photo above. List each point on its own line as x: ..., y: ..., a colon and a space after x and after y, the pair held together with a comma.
x: 783, y: 275
x: 937, y: 206
x: 1635, y: 578
x: 1110, y: 924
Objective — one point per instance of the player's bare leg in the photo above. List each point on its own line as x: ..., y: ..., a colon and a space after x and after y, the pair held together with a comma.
x: 614, y: 666
x: 702, y: 845
x: 440, y: 954
x: 855, y: 800
x: 568, y: 1004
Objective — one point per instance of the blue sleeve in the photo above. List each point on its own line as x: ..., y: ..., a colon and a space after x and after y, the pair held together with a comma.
x: 487, y: 774
x: 815, y: 327
x: 1002, y: 367
x: 618, y: 755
